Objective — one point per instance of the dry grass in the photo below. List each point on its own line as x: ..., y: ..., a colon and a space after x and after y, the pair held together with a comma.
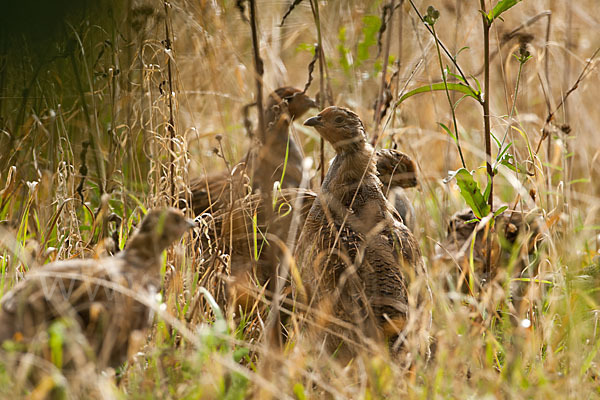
x: 85, y: 110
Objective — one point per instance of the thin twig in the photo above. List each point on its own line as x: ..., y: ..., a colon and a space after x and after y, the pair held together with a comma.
x: 452, y: 59
x: 314, y: 4
x: 386, y: 56
x: 171, y: 123
x: 487, y: 129
x: 550, y: 116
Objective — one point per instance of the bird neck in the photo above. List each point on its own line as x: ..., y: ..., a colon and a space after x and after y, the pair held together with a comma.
x: 142, y: 251
x: 352, y: 164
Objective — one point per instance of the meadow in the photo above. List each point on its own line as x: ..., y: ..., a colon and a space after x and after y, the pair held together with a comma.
x: 108, y: 109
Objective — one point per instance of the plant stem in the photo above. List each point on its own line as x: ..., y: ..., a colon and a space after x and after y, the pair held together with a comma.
x: 486, y: 121
x: 442, y: 46
x: 514, y: 105
x: 386, y: 56
x: 437, y: 46
x: 171, y: 124
x: 274, y: 321
x: 314, y: 4
x: 259, y: 70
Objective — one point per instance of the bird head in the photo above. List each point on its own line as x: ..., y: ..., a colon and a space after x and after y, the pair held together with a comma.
x: 161, y: 227
x: 396, y: 169
x: 297, y: 101
x: 340, y: 127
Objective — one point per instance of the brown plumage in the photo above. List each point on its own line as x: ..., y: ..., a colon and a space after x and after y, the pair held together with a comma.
x: 512, y: 228
x: 397, y: 171
x: 355, y: 254
x: 211, y: 192
x: 98, y: 295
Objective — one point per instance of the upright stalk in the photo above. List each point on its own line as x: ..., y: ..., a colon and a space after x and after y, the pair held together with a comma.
x: 171, y: 124
x: 314, y: 4
x: 486, y: 121
x: 386, y: 56
x: 259, y: 70
x: 437, y: 46
x: 273, y: 322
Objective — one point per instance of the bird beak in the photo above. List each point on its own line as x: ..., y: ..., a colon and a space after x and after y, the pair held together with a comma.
x: 191, y: 223
x: 313, y: 103
x: 314, y: 121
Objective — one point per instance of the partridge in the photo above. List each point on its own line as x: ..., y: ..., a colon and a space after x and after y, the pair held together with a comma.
x: 355, y: 253
x: 512, y: 228
x: 107, y: 297
x: 265, y: 160
x: 395, y: 169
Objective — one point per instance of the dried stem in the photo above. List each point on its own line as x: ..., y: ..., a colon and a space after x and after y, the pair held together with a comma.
x: 259, y: 71
x: 386, y: 56
x: 171, y: 123
x: 314, y: 4
x: 486, y: 122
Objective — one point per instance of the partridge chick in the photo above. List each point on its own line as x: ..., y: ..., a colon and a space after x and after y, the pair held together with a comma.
x: 265, y: 160
x: 513, y: 230
x: 98, y: 295
x: 355, y: 255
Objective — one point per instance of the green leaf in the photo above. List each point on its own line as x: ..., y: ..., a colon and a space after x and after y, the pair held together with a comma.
x: 500, y: 7
x: 371, y: 25
x: 447, y: 131
x: 343, y: 51
x: 306, y: 47
x: 503, y: 151
x: 57, y: 332
x: 240, y: 353
x: 469, y: 190
x: 500, y: 211
x: 460, y: 78
x: 456, y: 87
x: 299, y: 391
x: 488, y: 191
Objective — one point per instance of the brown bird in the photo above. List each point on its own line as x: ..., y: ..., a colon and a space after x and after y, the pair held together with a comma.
x: 355, y: 254
x: 235, y: 224
x: 264, y: 160
x: 397, y: 171
x: 512, y: 228
x: 107, y: 298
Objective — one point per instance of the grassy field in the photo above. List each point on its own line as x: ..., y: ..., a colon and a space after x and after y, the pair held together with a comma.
x: 110, y: 107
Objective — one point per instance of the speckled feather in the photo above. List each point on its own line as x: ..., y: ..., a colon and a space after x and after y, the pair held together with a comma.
x: 96, y: 294
x: 371, y: 240
x: 211, y: 192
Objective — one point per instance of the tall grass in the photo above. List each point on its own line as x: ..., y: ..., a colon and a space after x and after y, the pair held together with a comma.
x: 104, y: 113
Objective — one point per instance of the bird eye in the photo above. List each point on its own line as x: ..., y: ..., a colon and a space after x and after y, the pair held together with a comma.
x: 339, y: 120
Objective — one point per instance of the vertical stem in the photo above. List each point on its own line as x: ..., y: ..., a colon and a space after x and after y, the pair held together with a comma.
x: 400, y: 42
x: 486, y: 121
x: 453, y: 112
x: 549, y: 143
x: 274, y: 321
x: 259, y: 70
x: 386, y: 56
x: 314, y: 4
x: 171, y: 124
x: 568, y: 160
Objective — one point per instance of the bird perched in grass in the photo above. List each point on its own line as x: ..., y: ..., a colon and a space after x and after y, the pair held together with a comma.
x: 106, y: 298
x: 356, y: 254
x: 264, y: 160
